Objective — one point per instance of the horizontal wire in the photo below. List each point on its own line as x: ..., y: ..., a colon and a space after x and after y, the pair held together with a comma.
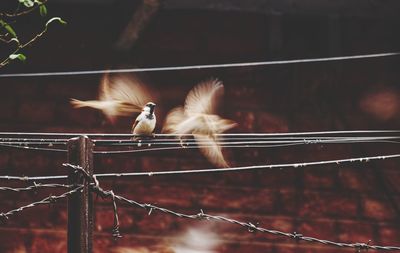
x: 254, y: 167
x: 197, y: 67
x: 223, y: 141
x: 112, y: 152
x: 174, y: 141
x: 48, y: 200
x: 202, y: 143
x: 34, y: 148
x: 35, y: 186
x: 196, y: 146
x: 289, y: 134
x: 213, y: 170
x: 242, y: 142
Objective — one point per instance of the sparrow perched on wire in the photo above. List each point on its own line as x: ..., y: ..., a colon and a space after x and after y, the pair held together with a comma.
x: 198, y: 117
x: 123, y: 95
x: 146, y: 121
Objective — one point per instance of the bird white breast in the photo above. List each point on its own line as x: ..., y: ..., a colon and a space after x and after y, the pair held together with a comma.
x: 145, y: 126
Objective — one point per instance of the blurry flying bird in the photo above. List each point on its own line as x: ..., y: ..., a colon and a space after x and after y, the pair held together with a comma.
x: 123, y: 95
x: 198, y: 117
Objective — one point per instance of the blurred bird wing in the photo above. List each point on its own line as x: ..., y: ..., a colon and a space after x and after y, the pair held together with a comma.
x: 203, y: 97
x: 173, y: 120
x: 223, y: 125
x: 97, y: 104
x: 211, y: 150
x: 213, y: 124
x: 128, y: 91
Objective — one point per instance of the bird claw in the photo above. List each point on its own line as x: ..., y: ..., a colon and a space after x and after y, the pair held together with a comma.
x: 183, y: 144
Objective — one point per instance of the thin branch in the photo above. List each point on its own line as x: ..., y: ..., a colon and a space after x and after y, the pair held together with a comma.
x: 31, y: 41
x: 22, y: 13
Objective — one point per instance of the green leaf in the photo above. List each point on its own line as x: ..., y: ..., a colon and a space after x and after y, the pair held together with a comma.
x: 20, y: 57
x: 56, y: 19
x: 8, y: 28
x: 27, y: 3
x: 42, y: 10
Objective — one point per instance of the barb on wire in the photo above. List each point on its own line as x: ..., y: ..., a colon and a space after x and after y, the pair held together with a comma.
x: 95, y: 187
x: 78, y: 168
x: 94, y: 183
x: 48, y: 200
x: 35, y: 187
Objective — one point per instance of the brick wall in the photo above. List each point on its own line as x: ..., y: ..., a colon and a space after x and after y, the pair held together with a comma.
x: 349, y: 203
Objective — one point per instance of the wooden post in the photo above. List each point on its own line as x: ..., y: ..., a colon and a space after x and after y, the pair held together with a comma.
x: 80, y: 206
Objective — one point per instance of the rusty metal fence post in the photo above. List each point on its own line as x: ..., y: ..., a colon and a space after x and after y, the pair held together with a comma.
x: 80, y: 206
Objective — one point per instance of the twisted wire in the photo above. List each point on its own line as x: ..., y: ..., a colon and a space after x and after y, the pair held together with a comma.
x: 246, y: 225
x: 34, y: 187
x: 48, y: 200
x: 210, y: 170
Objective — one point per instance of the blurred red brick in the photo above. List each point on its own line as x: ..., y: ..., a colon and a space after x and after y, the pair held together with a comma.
x: 314, y: 204
x: 352, y: 232
x: 40, y: 243
x: 378, y: 209
x: 357, y: 179
x: 320, y: 178
x: 269, y: 123
x: 8, y: 109
x: 31, y: 111
x: 248, y: 201
x: 389, y: 235
x: 323, y: 229
x: 381, y: 103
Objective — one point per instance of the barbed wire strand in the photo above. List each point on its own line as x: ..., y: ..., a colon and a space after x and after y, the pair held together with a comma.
x: 95, y: 187
x: 211, y: 170
x: 33, y: 148
x: 247, y: 225
x: 35, y: 187
x: 48, y: 200
x: 243, y: 168
x: 198, y: 67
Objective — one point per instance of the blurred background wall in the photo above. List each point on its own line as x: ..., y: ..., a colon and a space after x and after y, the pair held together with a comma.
x: 354, y: 202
